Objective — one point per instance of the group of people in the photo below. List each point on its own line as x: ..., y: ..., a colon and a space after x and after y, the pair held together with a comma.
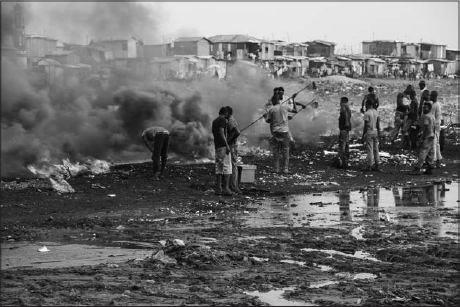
x: 419, y: 123
x: 371, y: 131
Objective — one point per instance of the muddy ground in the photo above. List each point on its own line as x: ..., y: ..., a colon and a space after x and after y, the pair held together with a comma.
x: 222, y: 258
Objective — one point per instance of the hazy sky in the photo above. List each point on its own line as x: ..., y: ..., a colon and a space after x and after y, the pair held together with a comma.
x: 345, y: 23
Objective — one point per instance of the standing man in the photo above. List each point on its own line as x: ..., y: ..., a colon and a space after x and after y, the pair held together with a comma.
x: 344, y: 134
x: 372, y: 95
x: 290, y: 102
x: 424, y: 96
x: 277, y: 117
x: 371, y: 135
x: 412, y: 118
x: 427, y: 125
x: 222, y: 153
x: 232, y: 135
x: 157, y: 141
x: 436, y: 111
x: 402, y: 108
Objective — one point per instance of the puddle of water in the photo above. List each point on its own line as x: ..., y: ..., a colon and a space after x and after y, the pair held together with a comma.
x: 26, y: 255
x: 324, y: 268
x: 357, y: 254
x: 365, y: 276
x: 274, y: 298
x: 425, y: 206
x: 301, y: 263
x: 323, y: 284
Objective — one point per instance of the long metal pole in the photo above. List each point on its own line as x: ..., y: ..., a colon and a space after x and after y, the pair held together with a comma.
x: 241, y: 131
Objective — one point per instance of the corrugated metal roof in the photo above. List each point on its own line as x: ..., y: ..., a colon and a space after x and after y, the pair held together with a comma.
x: 297, y: 57
x: 318, y: 41
x: 48, y: 62
x: 382, y: 41
x: 342, y: 58
x: 190, y: 39
x: 238, y: 38
x: 377, y: 60
x: 59, y: 53
x: 205, y: 57
x: 319, y: 59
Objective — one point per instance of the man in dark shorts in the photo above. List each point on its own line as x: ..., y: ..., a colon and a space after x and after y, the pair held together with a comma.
x: 157, y: 141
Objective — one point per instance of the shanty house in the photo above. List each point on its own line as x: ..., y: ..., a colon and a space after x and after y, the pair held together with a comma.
x: 319, y: 48
x: 382, y: 47
x: 375, y: 67
x: 357, y: 65
x: 236, y: 47
x: 192, y: 46
x: 410, y: 50
x: 317, y: 66
x: 161, y: 50
x: 64, y: 57
x: 294, y: 49
x: 454, y: 55
x: 266, y: 51
x: 126, y: 48
x: 443, y: 67
x: 38, y: 46
x: 432, y: 51
x: 91, y: 55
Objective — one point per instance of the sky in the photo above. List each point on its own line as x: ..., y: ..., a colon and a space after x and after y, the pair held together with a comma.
x: 345, y: 23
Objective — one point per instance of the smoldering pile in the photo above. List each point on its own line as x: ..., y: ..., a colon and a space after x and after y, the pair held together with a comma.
x: 47, y: 125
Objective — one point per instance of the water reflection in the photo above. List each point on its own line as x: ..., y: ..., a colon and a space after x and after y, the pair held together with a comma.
x: 412, y: 205
x: 430, y: 195
x: 372, y: 202
x: 344, y: 205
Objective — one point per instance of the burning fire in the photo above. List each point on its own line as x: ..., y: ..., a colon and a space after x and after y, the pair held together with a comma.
x: 69, y: 169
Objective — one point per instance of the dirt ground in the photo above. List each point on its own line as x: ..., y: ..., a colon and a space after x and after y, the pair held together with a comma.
x: 221, y: 258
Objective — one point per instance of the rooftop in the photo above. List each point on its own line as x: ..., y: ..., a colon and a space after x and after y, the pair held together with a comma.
x: 190, y: 39
x: 235, y: 38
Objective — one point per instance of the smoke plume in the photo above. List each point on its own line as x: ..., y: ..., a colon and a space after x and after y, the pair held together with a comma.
x: 77, y: 22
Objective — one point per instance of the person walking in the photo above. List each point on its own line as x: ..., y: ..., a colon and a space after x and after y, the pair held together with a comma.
x: 344, y: 134
x: 233, y: 132
x: 371, y: 135
x: 222, y: 153
x: 436, y: 111
x: 277, y: 117
x: 157, y: 141
x: 427, y: 124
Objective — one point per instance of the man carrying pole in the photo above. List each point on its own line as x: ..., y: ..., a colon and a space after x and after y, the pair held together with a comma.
x: 277, y: 117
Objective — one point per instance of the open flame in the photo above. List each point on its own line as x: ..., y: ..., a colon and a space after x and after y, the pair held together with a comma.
x: 69, y: 169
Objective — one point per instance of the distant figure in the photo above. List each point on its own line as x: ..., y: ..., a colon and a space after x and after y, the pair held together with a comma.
x: 344, y: 134
x: 437, y: 114
x: 313, y: 85
x: 373, y: 96
x: 222, y: 153
x: 157, y: 141
x: 427, y: 124
x: 412, y: 119
x: 424, y: 96
x: 232, y: 135
x: 371, y: 135
x: 402, y: 108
